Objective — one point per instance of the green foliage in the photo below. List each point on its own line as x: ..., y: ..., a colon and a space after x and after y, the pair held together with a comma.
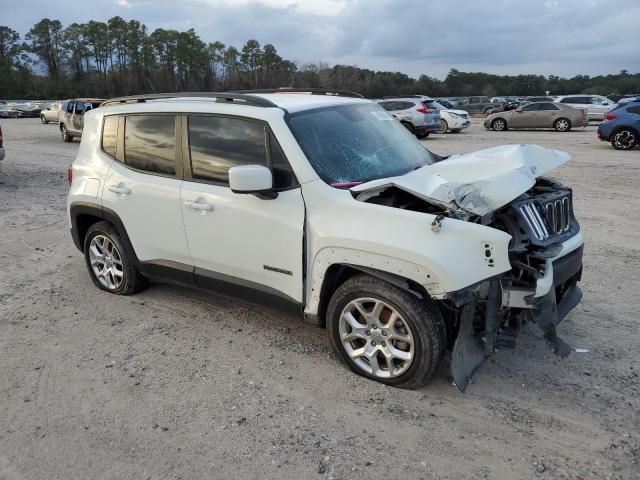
x: 120, y: 57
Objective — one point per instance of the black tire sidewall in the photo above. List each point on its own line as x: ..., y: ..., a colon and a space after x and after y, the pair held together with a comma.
x: 555, y: 125
x: 423, y: 364
x: 493, y: 123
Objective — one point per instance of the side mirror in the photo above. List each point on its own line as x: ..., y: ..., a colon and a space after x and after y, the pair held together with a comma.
x: 255, y: 179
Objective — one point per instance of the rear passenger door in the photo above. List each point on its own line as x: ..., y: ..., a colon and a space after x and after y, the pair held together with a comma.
x: 240, y: 240
x: 143, y: 187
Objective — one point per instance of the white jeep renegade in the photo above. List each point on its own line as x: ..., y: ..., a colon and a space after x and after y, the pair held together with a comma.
x: 324, y: 203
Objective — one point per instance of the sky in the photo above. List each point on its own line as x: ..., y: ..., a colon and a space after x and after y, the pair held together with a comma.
x: 548, y: 37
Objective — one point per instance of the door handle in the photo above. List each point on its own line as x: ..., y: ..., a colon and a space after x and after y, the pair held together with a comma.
x: 205, y: 207
x: 119, y: 190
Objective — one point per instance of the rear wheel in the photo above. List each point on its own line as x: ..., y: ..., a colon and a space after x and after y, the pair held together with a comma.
x: 66, y: 137
x: 385, y: 333
x: 499, y: 125
x: 624, y: 139
x: 562, y: 125
x: 110, y: 261
x: 444, y: 126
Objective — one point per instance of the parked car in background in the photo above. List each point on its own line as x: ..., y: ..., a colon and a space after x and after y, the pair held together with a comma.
x: 1, y: 145
x: 71, y: 116
x: 418, y: 114
x: 539, y: 115
x: 596, y: 105
x: 625, y: 100
x: 451, y: 120
x: 25, y: 110
x: 616, y: 98
x: 511, y: 104
x: 539, y: 99
x: 5, y: 112
x: 50, y: 112
x: 479, y: 104
x: 621, y: 126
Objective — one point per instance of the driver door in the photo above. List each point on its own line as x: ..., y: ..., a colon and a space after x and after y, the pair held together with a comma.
x: 525, y: 117
x: 241, y: 241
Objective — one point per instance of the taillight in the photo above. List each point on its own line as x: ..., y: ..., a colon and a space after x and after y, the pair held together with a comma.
x: 610, y: 116
x: 424, y: 109
x: 70, y: 174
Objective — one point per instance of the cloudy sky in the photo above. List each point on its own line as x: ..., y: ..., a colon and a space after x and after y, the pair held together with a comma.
x: 561, y: 37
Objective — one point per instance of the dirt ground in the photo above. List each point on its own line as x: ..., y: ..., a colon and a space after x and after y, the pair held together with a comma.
x: 179, y: 383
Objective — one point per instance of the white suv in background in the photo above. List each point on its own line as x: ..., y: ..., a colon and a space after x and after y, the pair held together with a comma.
x: 597, y: 106
x: 321, y: 202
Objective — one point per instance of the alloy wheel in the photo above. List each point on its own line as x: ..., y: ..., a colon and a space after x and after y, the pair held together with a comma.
x: 498, y: 125
x: 376, y: 337
x: 562, y: 125
x: 106, y: 262
x: 624, y: 140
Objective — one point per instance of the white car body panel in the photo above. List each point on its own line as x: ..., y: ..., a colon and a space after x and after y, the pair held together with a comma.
x: 245, y: 237
x: 456, y: 119
x: 478, y: 182
x: 341, y: 229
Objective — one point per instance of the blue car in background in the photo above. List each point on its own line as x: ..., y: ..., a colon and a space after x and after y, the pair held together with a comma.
x: 622, y: 126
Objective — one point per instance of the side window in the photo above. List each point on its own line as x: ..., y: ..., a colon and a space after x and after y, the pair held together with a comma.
x: 407, y: 105
x: 474, y: 99
x: 532, y: 107
x: 149, y: 143
x: 388, y: 106
x: 283, y: 176
x: 218, y: 143
x: 110, y: 135
x: 597, y: 101
x: 79, y: 108
x: 548, y: 106
x: 70, y: 107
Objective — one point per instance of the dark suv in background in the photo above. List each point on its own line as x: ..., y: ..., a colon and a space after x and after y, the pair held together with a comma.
x: 478, y: 104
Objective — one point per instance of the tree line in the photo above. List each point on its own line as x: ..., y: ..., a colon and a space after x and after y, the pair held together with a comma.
x: 120, y: 57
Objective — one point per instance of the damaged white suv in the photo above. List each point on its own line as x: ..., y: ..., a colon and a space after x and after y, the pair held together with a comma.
x: 323, y: 203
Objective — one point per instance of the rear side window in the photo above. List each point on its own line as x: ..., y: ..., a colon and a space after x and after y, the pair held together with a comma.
x: 110, y: 135
x: 218, y: 143
x: 70, y: 107
x: 635, y: 109
x: 548, y: 106
x: 387, y: 105
x: 532, y: 107
x: 149, y: 143
x: 578, y: 100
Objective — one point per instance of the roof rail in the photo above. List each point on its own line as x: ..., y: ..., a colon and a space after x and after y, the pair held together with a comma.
x: 309, y: 91
x: 217, y: 96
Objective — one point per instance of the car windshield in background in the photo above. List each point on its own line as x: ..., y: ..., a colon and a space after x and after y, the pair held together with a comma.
x: 352, y: 144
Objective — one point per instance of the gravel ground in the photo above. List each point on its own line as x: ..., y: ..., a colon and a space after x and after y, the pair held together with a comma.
x: 179, y: 383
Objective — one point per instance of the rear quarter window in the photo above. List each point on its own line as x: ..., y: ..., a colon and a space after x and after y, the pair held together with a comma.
x: 149, y: 143
x: 110, y: 135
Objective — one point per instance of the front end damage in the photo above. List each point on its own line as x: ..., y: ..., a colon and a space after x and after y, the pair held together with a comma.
x: 542, y: 287
x: 500, y: 188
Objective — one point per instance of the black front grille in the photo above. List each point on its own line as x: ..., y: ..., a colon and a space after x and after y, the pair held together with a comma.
x: 547, y: 218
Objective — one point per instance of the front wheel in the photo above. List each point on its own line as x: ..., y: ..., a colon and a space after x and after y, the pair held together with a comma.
x: 624, y: 139
x: 385, y: 333
x: 499, y: 125
x: 444, y: 126
x: 65, y: 134
x: 562, y: 125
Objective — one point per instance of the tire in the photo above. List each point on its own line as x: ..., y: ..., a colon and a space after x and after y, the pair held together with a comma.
x: 624, y: 139
x: 105, y: 249
x: 43, y: 120
x: 418, y: 320
x: 422, y: 135
x: 562, y: 125
x: 66, y: 137
x: 444, y: 126
x: 499, y: 124
x: 456, y: 131
x: 409, y: 127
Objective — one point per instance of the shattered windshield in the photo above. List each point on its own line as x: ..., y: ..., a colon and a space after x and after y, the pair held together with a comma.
x: 351, y: 144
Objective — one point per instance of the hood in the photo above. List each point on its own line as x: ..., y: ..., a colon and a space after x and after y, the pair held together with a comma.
x: 478, y: 182
x: 459, y: 112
